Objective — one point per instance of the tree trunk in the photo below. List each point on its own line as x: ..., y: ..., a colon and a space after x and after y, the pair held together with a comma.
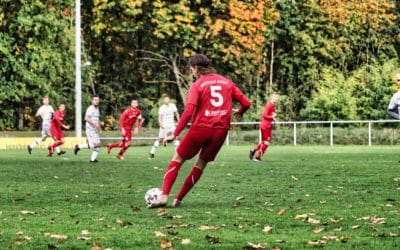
x: 178, y: 79
x: 268, y: 89
x: 20, y: 118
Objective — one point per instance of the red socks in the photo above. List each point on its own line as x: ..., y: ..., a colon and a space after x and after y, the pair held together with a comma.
x: 170, y: 176
x: 191, y: 179
x: 56, y: 144
x: 261, y: 151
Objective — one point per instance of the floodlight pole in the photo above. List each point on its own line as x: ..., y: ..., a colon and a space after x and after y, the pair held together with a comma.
x: 78, y: 73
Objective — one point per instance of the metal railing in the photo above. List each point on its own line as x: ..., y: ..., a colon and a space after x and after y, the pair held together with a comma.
x: 331, y: 126
x: 295, y: 124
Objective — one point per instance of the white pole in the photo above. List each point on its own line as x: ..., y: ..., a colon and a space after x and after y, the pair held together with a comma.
x: 369, y: 134
x: 294, y: 134
x: 78, y: 73
x: 331, y: 134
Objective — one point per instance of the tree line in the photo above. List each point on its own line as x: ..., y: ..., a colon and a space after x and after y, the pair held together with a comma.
x: 327, y: 59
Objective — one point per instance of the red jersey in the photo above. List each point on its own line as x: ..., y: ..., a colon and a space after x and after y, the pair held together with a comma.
x: 57, y: 120
x: 267, y: 115
x: 211, y: 96
x: 129, y: 117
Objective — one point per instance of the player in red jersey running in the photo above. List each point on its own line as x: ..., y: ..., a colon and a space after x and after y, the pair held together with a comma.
x: 267, y: 117
x: 57, y: 123
x: 209, y: 104
x: 126, y: 121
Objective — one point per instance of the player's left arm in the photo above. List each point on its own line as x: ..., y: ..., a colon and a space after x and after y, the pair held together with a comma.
x: 245, y: 103
x: 139, y: 124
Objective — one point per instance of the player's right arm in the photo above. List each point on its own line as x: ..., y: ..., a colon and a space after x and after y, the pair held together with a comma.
x: 191, y: 104
x: 121, y: 121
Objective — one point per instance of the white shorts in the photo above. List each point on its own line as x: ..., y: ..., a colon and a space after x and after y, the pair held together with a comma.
x: 164, y: 132
x: 93, y: 137
x: 46, y: 131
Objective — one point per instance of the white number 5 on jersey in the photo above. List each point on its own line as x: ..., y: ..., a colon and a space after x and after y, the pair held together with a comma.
x: 217, y: 99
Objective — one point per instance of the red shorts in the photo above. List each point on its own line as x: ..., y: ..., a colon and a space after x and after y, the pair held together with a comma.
x: 206, y: 140
x: 56, y: 134
x: 266, y: 132
x: 128, y: 135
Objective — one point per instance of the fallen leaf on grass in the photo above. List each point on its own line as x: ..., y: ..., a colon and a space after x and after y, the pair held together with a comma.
x: 294, y: 178
x: 330, y: 237
x: 19, y: 233
x: 177, y: 217
x: 355, y: 226
x: 186, y: 241
x: 302, y: 217
x: 376, y: 220
x: 96, y: 246
x: 159, y: 234
x: 58, y: 236
x: 27, y: 212
x: 335, y: 221
x: 313, y: 221
x: 161, y: 212
x: 213, y: 239
x: 165, y: 244
x: 240, y: 198
x: 318, y: 230
x: 397, y: 179
x: 254, y: 246
x: 267, y: 229
x: 204, y: 228
x: 281, y: 212
x: 83, y: 238
x: 85, y: 232
x: 123, y: 223
x: 339, y: 229
x: 317, y: 243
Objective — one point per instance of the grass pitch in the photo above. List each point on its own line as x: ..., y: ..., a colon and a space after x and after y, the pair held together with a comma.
x: 299, y: 197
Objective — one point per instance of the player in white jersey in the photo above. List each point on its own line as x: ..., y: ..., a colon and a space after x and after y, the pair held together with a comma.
x: 46, y: 114
x: 166, y: 120
x: 393, y: 109
x: 93, y: 126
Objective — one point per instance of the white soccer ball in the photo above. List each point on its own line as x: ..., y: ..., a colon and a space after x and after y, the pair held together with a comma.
x: 152, y: 195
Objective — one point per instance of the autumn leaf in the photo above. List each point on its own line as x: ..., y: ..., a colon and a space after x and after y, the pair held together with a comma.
x: 27, y: 212
x: 161, y: 212
x: 318, y: 230
x: 177, y: 216
x: 96, y: 246
x: 267, y: 229
x: 335, y: 221
x: 186, y: 241
x: 355, y: 226
x: 302, y: 217
x: 330, y: 237
x: 240, y: 198
x: 165, y: 244
x: 281, y: 212
x: 313, y: 221
x: 58, y: 236
x: 159, y: 234
x: 339, y: 229
x: 254, y: 246
x: 205, y: 228
x: 83, y: 238
x: 294, y: 178
x: 85, y: 232
x: 318, y: 243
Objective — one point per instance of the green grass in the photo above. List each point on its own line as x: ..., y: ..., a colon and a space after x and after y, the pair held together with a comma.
x: 68, y: 195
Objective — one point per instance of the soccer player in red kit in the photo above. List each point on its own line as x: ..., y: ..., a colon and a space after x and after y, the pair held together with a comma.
x: 126, y: 121
x: 267, y: 118
x: 57, y: 123
x: 209, y: 104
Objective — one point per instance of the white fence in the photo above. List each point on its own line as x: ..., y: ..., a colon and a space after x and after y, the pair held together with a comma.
x: 294, y: 124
